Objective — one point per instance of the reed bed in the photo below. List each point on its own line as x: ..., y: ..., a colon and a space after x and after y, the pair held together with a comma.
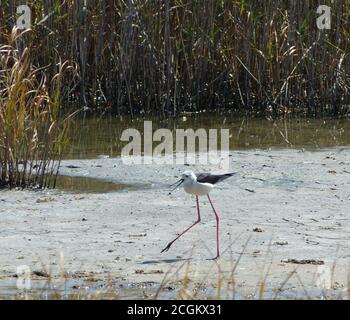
x: 33, y: 130
x: 173, y: 56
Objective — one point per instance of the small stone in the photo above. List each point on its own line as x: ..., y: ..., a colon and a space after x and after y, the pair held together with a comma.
x: 280, y: 243
x: 39, y: 273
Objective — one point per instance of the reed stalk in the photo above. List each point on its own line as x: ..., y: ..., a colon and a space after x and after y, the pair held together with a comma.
x: 33, y: 129
x: 174, y: 56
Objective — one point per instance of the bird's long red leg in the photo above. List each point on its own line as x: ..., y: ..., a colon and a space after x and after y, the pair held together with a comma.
x: 217, y: 229
x: 191, y: 226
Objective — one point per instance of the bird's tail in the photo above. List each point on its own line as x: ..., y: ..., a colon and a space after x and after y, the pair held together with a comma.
x: 227, y: 175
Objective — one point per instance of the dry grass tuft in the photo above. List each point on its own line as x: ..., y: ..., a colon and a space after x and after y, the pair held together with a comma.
x: 33, y: 129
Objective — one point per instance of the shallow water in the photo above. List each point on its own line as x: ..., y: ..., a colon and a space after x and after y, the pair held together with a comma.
x: 100, y: 137
x: 76, y: 289
x: 91, y: 185
x: 46, y: 289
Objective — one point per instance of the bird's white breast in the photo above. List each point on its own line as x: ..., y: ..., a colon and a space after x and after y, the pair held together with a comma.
x: 198, y: 189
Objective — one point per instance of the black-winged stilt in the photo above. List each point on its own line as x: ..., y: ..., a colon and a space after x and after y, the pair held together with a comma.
x: 200, y: 185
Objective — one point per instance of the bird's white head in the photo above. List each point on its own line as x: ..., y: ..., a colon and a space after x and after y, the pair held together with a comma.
x: 188, y: 176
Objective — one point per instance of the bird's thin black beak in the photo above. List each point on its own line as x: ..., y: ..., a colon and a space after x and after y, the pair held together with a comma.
x: 176, y: 184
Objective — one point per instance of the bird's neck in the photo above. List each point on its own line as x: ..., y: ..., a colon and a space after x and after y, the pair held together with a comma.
x: 190, y: 181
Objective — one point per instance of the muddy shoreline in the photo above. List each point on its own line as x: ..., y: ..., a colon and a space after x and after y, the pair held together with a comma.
x: 292, y: 205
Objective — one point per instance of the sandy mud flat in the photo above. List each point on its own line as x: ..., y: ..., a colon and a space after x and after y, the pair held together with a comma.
x: 285, y: 221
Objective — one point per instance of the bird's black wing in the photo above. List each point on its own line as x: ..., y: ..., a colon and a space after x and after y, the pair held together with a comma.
x: 212, y: 178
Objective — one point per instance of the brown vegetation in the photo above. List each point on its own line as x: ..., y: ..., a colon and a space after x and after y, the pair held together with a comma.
x: 32, y: 127
x: 167, y: 57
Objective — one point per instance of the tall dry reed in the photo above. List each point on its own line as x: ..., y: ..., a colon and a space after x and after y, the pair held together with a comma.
x: 33, y: 130
x: 167, y: 57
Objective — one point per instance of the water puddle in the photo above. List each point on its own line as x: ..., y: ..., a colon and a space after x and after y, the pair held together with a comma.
x: 75, y: 289
x: 93, y: 137
x: 92, y: 185
x: 69, y: 289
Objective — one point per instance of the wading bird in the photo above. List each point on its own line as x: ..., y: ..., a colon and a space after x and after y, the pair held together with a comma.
x: 200, y: 185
